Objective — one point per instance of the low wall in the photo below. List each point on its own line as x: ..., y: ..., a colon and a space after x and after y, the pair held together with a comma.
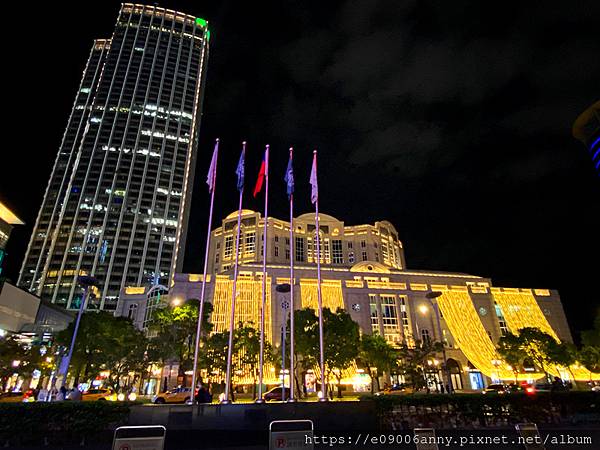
x: 250, y: 417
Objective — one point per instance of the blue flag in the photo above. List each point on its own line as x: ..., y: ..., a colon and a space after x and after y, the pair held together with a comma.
x: 240, y: 170
x: 289, y: 178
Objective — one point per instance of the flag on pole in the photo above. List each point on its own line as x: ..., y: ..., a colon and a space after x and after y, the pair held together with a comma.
x: 314, y: 193
x: 289, y: 177
x: 261, y: 175
x: 240, y: 169
x: 212, y: 170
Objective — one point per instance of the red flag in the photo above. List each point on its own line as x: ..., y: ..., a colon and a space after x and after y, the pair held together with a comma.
x: 261, y: 177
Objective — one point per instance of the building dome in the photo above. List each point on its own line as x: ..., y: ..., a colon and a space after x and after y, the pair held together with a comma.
x: 245, y: 212
x: 322, y: 217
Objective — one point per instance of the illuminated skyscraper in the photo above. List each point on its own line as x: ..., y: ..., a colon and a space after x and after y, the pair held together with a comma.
x: 116, y: 206
x: 587, y: 129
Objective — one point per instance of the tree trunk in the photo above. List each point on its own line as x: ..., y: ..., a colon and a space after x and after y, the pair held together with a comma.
x: 339, y: 386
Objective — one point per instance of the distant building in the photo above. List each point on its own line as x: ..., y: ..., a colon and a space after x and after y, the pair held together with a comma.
x: 587, y: 129
x: 378, y: 291
x: 8, y: 219
x: 118, y: 199
x: 25, y: 314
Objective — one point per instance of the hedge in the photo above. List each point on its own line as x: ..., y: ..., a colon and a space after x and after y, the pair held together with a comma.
x: 59, y: 422
x: 477, y: 410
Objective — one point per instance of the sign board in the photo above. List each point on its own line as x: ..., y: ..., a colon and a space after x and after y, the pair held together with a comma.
x: 151, y: 437
x: 296, y: 434
x: 425, y: 439
x: 530, y: 436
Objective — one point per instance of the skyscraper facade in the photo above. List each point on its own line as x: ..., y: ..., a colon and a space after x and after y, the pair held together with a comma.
x: 116, y: 206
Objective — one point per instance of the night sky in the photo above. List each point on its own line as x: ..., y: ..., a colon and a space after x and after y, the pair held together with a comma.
x: 449, y: 119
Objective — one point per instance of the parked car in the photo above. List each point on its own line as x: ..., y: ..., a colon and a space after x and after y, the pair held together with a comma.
x: 497, y: 388
x: 11, y: 397
x: 102, y: 394
x: 276, y: 394
x: 177, y: 395
x: 396, y: 389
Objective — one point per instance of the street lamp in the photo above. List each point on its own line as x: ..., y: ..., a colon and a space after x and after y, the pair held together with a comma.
x: 430, y: 296
x: 86, y: 282
x: 496, y: 363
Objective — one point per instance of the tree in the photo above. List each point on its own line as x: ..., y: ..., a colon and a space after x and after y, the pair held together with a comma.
x: 375, y: 352
x: 247, y: 349
x: 175, y: 329
x: 10, y: 350
x: 105, y: 342
x: 341, y: 341
x: 532, y: 344
x: 589, y: 355
x: 124, y: 351
x: 414, y: 361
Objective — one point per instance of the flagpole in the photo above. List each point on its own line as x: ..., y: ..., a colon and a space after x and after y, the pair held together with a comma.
x: 212, y: 184
x: 319, y: 294
x: 264, y: 283
x: 292, y: 372
x: 235, y: 274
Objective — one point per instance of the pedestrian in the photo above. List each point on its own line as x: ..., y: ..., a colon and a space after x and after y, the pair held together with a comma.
x: 42, y: 395
x: 62, y: 394
x: 75, y: 395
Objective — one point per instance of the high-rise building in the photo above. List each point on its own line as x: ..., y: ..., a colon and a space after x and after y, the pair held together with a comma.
x: 587, y: 129
x: 116, y: 206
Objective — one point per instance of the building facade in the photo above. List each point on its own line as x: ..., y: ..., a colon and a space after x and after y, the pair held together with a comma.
x: 117, y: 203
x: 8, y: 220
x: 587, y: 129
x: 383, y: 297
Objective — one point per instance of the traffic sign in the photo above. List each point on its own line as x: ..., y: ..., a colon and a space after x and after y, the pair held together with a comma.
x: 296, y: 434
x: 150, y: 437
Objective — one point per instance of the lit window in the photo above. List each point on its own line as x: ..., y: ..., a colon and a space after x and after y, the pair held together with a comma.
x: 228, y: 247
x: 336, y: 246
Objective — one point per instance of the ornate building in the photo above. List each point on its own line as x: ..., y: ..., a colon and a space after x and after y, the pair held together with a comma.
x: 364, y: 272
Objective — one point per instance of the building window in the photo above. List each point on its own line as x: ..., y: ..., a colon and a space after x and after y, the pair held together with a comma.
x: 228, y: 247
x: 425, y: 336
x: 364, y: 256
x: 299, y: 249
x: 287, y: 254
x: 374, y: 313
x: 131, y: 314
x: 363, y: 244
x: 338, y: 257
x: 349, y: 245
x: 276, y: 238
x: 389, y: 317
x: 351, y: 257
x: 217, y: 258
x: 287, y: 241
x: 250, y: 244
x: 376, y: 256
x: 276, y: 248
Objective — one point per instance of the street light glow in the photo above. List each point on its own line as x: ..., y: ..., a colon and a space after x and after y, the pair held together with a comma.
x: 423, y: 309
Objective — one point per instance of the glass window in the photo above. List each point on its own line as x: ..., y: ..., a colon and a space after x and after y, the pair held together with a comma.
x: 338, y: 257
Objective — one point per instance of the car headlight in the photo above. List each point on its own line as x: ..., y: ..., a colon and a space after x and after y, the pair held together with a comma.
x: 131, y: 397
x: 121, y: 397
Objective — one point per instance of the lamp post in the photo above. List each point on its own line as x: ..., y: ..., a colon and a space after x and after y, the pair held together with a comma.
x: 285, y: 306
x: 496, y: 363
x: 86, y: 282
x: 430, y: 296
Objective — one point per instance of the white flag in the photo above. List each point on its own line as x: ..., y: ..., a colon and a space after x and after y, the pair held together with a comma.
x: 212, y: 170
x: 314, y: 193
